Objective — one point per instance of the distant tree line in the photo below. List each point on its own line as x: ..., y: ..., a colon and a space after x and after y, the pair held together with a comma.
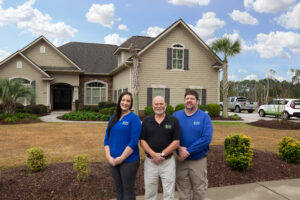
x: 264, y: 90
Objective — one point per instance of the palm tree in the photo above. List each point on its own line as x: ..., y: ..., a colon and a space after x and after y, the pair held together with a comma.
x: 10, y: 92
x: 229, y: 49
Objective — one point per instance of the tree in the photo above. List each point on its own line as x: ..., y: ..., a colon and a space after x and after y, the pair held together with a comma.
x: 229, y: 49
x: 296, y: 76
x: 135, y: 78
x: 10, y: 92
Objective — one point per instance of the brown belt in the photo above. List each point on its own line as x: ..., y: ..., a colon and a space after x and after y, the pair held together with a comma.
x: 166, y: 157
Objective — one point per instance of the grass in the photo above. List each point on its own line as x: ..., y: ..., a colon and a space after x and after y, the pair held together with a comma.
x: 62, y: 141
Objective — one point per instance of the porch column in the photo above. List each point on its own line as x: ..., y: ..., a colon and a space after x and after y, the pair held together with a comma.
x: 75, y: 97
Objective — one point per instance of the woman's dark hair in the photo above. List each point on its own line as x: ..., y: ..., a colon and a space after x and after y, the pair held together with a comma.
x: 118, y: 111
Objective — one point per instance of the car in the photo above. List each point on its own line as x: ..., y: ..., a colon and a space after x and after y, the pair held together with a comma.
x: 285, y: 108
x: 238, y: 104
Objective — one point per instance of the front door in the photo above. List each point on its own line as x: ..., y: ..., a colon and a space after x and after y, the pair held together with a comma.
x: 62, y: 97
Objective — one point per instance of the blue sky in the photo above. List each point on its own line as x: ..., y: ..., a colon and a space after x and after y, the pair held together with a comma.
x: 269, y: 30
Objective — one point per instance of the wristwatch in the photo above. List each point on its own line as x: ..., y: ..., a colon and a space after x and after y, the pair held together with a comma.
x: 162, y: 154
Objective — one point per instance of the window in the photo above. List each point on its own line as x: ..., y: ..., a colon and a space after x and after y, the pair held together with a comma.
x: 42, y: 49
x: 118, y: 92
x: 199, y: 91
x: 95, y: 92
x: 177, y: 56
x: 158, y: 92
x: 23, y: 100
x: 202, y: 95
x: 155, y: 91
x: 19, y: 65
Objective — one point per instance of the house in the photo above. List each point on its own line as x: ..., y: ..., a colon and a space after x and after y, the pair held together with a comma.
x: 169, y: 64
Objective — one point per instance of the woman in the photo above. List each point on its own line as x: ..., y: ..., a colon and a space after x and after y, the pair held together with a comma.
x: 121, y: 147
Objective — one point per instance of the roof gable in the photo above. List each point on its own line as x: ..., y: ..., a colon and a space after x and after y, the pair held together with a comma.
x: 170, y: 28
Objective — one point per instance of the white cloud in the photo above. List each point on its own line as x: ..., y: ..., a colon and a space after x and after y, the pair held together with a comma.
x: 232, y: 78
x: 114, y: 39
x: 207, y: 25
x: 122, y: 27
x: 34, y: 21
x: 290, y: 19
x: 190, y: 2
x: 3, y: 54
x: 243, y: 71
x: 276, y: 43
x: 251, y: 77
x: 271, y: 74
x: 243, y: 17
x: 102, y: 14
x: 153, y: 31
x: 268, y: 6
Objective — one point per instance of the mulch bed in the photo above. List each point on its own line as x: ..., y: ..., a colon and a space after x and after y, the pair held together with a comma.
x: 276, y: 124
x: 21, y: 121
x: 58, y: 181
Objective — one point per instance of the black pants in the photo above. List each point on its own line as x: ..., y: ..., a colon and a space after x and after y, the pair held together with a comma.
x: 124, y: 178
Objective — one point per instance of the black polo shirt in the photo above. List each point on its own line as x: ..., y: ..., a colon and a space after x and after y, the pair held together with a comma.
x: 159, y: 136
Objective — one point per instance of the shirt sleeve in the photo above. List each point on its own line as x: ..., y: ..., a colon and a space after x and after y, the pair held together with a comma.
x: 106, y: 134
x: 203, y: 142
x: 177, y: 133
x: 135, y: 134
x: 144, y: 131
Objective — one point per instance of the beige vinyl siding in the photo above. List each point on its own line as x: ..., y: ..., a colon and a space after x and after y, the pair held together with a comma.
x: 50, y: 58
x: 9, y: 70
x: 72, y: 79
x: 122, y: 80
x: 154, y: 63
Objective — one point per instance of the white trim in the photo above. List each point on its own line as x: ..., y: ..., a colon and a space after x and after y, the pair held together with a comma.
x: 98, y: 81
x: 158, y: 86
x: 177, y: 70
x: 42, y: 49
x: 218, y: 86
x: 48, y: 93
x: 196, y: 87
x: 19, y: 64
x: 23, y: 77
x: 172, y: 46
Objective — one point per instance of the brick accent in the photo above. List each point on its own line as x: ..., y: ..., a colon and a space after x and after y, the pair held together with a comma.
x: 86, y: 78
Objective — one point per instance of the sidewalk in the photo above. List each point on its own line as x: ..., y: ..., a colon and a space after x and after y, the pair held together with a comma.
x: 271, y: 190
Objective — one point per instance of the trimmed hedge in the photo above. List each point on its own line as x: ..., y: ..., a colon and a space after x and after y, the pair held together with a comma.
x: 36, y: 109
x: 289, y: 149
x: 106, y: 104
x: 179, y: 107
x: 169, y: 110
x: 107, y: 111
x: 36, y: 160
x: 238, y: 151
x: 85, y: 115
x: 213, y: 109
x: 201, y: 107
x: 148, y: 111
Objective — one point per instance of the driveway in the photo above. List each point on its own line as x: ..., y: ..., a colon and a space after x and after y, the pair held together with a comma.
x: 252, y: 117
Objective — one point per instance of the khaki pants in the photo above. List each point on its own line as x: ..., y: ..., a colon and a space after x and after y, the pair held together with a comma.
x: 167, y: 172
x: 191, y: 179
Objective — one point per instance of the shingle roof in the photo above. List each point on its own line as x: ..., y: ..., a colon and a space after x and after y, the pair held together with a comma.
x: 90, y: 57
x: 139, y: 41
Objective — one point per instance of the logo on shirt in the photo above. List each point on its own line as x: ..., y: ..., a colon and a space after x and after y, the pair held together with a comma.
x: 196, y: 123
x: 168, y: 126
x: 125, y: 123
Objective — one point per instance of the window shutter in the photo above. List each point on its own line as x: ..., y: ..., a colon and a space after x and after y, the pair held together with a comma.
x: 167, y: 95
x: 149, y: 96
x: 169, y: 58
x: 204, y: 97
x: 33, y: 86
x: 186, y: 59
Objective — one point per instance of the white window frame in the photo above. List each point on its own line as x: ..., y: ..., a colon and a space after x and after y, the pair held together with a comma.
x: 85, y: 88
x: 178, y: 48
x: 42, y: 49
x: 26, y: 101
x: 19, y: 64
x: 158, y: 87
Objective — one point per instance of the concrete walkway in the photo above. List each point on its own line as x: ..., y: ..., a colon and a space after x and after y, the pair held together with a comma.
x: 271, y: 190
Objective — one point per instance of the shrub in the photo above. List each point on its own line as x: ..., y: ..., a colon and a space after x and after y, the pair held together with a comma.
x: 105, y: 117
x: 81, y: 166
x: 235, y: 117
x: 77, y: 105
x: 90, y: 108
x: 201, y: 107
x: 238, y: 151
x: 1, y: 107
x: 11, y: 119
x: 148, y: 111
x: 36, y: 160
x: 179, y: 107
x: 169, y: 109
x: 213, y: 110
x: 106, y: 104
x: 107, y: 111
x: 289, y: 149
x: 19, y: 107
x: 36, y: 109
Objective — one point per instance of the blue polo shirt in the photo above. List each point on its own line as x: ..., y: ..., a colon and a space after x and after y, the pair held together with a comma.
x: 126, y: 132
x: 196, y: 132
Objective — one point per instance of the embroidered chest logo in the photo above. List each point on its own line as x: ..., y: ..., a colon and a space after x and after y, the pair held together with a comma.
x: 196, y: 123
x: 125, y: 123
x: 168, y: 126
